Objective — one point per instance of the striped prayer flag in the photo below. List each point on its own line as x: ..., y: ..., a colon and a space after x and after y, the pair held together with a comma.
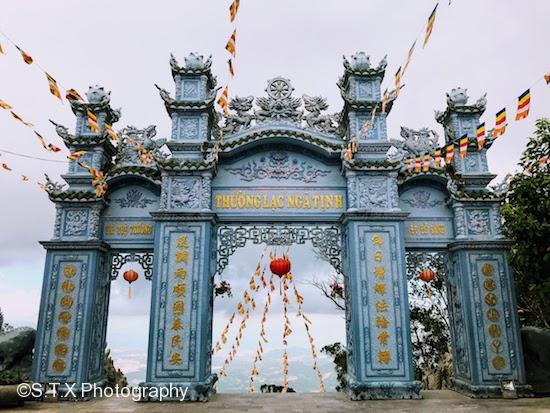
x: 547, y: 78
x: 20, y: 119
x: 54, y: 90
x: 409, y: 166
x: 480, y: 136
x: 437, y: 158
x: 417, y: 164
x: 92, y: 122
x: 5, y: 105
x: 500, y: 125
x: 524, y: 102
x: 41, y: 140
x: 385, y: 98
x: 75, y: 155
x: 398, y: 78
x: 72, y: 94
x: 24, y: 178
x: 2, y: 50
x: 53, y: 148
x: 111, y: 132
x: 409, y: 57
x: 426, y: 163
x: 230, y: 65
x: 231, y: 43
x: 26, y: 58
x: 449, y: 154
x: 233, y: 9
x: 463, y: 148
x: 6, y: 167
x: 223, y: 100
x: 430, y: 25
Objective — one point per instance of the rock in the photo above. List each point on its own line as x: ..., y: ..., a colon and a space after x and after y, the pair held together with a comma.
x: 16, y: 348
x: 536, y: 353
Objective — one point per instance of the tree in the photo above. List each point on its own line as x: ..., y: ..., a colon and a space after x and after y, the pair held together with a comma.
x: 526, y: 213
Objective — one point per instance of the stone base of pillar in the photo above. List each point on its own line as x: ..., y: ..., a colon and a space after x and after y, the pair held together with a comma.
x: 195, y: 391
x: 384, y: 390
x: 487, y: 391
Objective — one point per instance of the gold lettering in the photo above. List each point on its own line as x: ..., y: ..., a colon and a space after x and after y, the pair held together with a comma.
x: 384, y: 356
x: 218, y: 201
x: 178, y: 307
x: 339, y: 201
x: 383, y: 338
x: 307, y: 202
x: 110, y: 229
x: 315, y: 201
x: 381, y: 322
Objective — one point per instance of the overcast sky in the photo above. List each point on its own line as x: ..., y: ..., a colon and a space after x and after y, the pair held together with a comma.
x: 496, y: 46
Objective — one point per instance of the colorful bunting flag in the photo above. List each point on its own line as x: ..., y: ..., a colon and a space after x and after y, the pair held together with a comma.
x: 524, y: 102
x: 16, y: 116
x: 72, y: 94
x: 430, y: 26
x: 437, y: 158
x: 463, y: 149
x: 1, y: 50
x: 500, y: 126
x: 54, y: 90
x: 223, y: 100
x: 449, y: 154
x: 231, y: 43
x: 24, y: 178
x: 75, y: 155
x: 92, y: 122
x: 5, y: 105
x: 547, y: 78
x: 53, y: 148
x: 480, y: 136
x: 233, y: 9
x: 41, y: 140
x: 426, y: 163
x: 409, y: 166
x: 409, y: 57
x: 26, y: 58
x: 385, y: 98
x: 6, y: 167
x: 111, y: 132
x: 231, y: 70
x: 398, y: 78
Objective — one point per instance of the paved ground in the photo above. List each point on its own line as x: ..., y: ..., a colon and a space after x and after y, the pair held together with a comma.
x: 434, y: 401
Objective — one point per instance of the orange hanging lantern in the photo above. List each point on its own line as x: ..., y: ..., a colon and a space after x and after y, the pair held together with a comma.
x: 130, y: 276
x: 280, y: 266
x: 426, y: 275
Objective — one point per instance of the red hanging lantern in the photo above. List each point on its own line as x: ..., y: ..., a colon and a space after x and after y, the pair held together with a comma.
x: 280, y: 266
x: 130, y: 276
x: 426, y: 275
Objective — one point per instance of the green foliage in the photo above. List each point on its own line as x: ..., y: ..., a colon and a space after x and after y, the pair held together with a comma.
x: 526, y: 214
x: 8, y: 377
x: 339, y: 356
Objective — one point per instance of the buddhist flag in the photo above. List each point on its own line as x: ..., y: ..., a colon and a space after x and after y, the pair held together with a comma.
x: 417, y: 164
x: 6, y: 167
x: 463, y: 149
x: 409, y: 166
x: 409, y: 57
x: 437, y: 158
x: 524, y: 101
x: 54, y: 90
x: 233, y: 9
x: 1, y: 50
x: 72, y: 94
x: 385, y: 98
x: 231, y: 43
x: 480, y: 136
x: 16, y: 116
x: 398, y: 78
x: 500, y: 126
x: 41, y: 140
x: 547, y: 78
x: 426, y: 163
x: 75, y: 155
x: 53, y: 148
x: 449, y: 153
x: 111, y: 132
x: 24, y: 178
x: 223, y: 100
x: 230, y: 65
x: 5, y: 105
x: 92, y: 122
x: 430, y: 26
x: 26, y: 58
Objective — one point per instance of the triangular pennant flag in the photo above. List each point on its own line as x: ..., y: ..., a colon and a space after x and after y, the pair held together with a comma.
x: 231, y: 43
x: 75, y: 155
x: 16, y: 116
x: 26, y: 58
x: 72, y: 94
x: 230, y: 65
x: 547, y: 78
x: 437, y: 158
x: 54, y: 90
x: 41, y: 140
x: 426, y: 163
x: 223, y: 100
x: 409, y: 57
x: 6, y: 167
x: 430, y: 25
x: 92, y: 122
x: 5, y: 105
x: 233, y: 10
x: 111, y: 132
x: 417, y: 165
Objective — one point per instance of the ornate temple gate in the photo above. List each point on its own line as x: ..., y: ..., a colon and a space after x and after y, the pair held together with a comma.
x: 276, y: 175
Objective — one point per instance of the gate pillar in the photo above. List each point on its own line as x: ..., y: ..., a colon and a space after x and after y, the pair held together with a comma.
x: 70, y: 342
x: 180, y: 332
x: 377, y: 311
